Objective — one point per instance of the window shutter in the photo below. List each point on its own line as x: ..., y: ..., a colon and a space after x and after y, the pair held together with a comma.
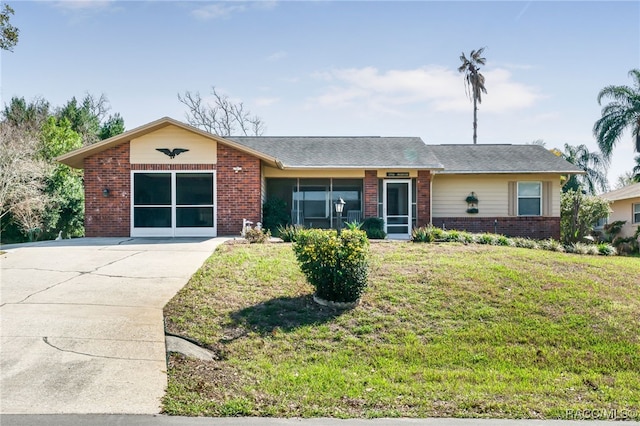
x: 547, y: 198
x: 513, y: 199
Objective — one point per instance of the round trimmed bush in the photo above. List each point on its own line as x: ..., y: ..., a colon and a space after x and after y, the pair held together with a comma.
x: 337, y: 266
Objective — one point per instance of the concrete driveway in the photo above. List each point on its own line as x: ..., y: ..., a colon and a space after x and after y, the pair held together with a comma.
x: 81, y: 322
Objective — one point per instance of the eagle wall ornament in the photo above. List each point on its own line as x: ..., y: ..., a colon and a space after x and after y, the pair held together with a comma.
x: 172, y: 152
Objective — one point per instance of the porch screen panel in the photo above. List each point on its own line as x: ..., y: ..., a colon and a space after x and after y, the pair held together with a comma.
x: 350, y: 190
x: 283, y: 189
x: 312, y: 198
x: 194, y: 200
x: 152, y: 200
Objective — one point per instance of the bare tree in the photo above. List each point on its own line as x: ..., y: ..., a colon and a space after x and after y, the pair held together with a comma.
x: 29, y: 215
x: 22, y: 173
x: 222, y: 116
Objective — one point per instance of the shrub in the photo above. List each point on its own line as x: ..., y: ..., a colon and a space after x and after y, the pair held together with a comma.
x: 353, y: 226
x: 501, y: 240
x: 487, y: 239
x: 625, y: 245
x: 452, y: 236
x: 336, y: 265
x: 525, y: 243
x: 467, y: 237
x: 430, y: 233
x: 611, y: 230
x: 551, y: 245
x: 374, y: 227
x: 289, y: 233
x: 422, y: 234
x: 376, y: 234
x: 438, y: 233
x: 255, y: 235
x: 579, y: 213
x: 607, y: 249
x: 582, y: 248
x: 275, y: 214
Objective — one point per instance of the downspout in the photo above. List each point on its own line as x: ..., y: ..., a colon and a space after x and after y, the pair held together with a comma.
x: 431, y: 198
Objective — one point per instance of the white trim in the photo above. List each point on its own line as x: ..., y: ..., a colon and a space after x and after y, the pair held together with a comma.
x: 385, y: 182
x: 529, y: 197
x: 174, y: 231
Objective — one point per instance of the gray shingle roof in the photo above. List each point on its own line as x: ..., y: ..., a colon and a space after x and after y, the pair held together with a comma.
x: 344, y: 152
x: 500, y: 159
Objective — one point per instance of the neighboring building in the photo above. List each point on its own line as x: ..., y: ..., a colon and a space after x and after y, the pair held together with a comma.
x: 167, y: 178
x: 625, y: 205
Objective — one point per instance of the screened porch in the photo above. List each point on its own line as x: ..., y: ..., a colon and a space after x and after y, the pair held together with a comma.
x: 310, y: 202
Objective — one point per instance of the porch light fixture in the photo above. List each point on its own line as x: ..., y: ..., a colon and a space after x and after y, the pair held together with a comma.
x: 339, y: 209
x: 237, y: 169
x: 105, y: 192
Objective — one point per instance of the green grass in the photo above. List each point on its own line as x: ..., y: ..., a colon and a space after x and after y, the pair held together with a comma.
x: 442, y: 330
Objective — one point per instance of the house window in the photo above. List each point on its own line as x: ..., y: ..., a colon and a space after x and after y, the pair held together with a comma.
x: 529, y: 198
x: 636, y: 213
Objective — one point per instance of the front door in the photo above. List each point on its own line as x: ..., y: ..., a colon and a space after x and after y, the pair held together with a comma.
x: 397, y: 207
x: 173, y: 204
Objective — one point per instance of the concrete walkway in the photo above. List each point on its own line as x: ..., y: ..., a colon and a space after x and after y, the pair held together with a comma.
x: 81, y: 324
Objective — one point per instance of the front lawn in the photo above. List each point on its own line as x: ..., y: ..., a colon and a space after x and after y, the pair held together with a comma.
x: 443, y: 330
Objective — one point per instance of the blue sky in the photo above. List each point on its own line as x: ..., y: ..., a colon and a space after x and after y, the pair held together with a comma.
x: 338, y: 68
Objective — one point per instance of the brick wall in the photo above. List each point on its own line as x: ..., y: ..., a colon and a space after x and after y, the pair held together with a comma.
x: 423, y: 203
x: 238, y: 193
x: 170, y: 167
x: 370, y: 193
x: 107, y: 216
x: 538, y: 227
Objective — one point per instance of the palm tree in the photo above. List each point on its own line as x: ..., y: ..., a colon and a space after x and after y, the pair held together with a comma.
x: 594, y: 166
x: 621, y: 113
x: 636, y: 170
x: 474, y: 82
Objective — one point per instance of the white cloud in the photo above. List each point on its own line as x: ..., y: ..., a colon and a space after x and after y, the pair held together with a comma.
x: 218, y: 10
x: 83, y: 5
x: 440, y: 88
x: 261, y: 102
x: 265, y: 4
x: 224, y: 9
x: 281, y: 54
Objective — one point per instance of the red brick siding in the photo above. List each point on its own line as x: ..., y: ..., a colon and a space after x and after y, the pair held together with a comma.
x: 107, y: 216
x: 173, y: 167
x: 538, y: 227
x: 370, y: 193
x: 238, y: 193
x: 424, y: 197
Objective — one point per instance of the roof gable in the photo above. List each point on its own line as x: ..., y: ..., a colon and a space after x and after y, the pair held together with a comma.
x: 76, y: 158
x: 630, y: 191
